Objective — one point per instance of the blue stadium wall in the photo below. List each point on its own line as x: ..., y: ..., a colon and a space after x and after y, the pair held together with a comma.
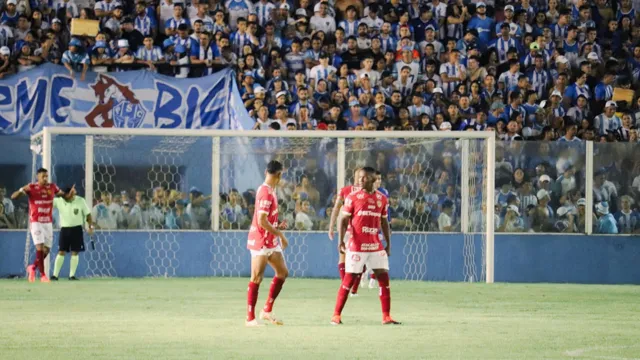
x: 519, y: 258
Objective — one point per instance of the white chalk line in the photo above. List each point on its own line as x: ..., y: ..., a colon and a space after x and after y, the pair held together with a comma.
x: 583, y: 352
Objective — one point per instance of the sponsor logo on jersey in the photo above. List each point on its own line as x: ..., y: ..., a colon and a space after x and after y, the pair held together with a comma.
x: 368, y: 213
x: 251, y: 242
x: 360, y: 196
x: 369, y: 246
x: 371, y: 207
x: 369, y: 230
x: 370, y: 201
x: 264, y: 204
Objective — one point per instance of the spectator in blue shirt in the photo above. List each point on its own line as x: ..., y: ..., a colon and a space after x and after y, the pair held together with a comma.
x: 604, y: 90
x: 76, y: 59
x: 580, y: 87
x: 627, y: 219
x: 606, y: 222
x: 177, y: 218
x: 483, y: 24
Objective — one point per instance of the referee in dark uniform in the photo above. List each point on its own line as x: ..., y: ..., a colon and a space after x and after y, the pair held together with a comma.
x: 74, y: 213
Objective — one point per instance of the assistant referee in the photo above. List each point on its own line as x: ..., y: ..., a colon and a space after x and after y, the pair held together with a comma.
x: 73, y: 212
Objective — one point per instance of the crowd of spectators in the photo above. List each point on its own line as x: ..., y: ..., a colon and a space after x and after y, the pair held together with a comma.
x: 539, y: 188
x: 531, y: 69
x: 166, y: 209
x: 527, y: 70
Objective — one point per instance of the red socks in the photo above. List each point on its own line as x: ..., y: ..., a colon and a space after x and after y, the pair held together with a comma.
x: 252, y: 299
x: 341, y: 268
x: 39, y: 263
x: 276, y: 286
x: 356, y: 283
x: 385, y: 293
x: 373, y: 276
x: 343, y: 293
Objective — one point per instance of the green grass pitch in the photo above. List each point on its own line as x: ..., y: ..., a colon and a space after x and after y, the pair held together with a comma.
x: 204, y: 319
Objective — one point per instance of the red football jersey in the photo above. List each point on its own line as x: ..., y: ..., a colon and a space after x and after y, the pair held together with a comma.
x: 266, y: 202
x: 365, y: 210
x: 342, y: 195
x: 345, y: 191
x: 41, y: 202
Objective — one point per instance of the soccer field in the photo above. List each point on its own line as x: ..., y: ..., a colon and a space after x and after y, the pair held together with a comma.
x: 204, y: 319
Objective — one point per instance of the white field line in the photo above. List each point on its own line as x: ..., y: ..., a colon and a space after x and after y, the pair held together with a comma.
x: 584, y: 352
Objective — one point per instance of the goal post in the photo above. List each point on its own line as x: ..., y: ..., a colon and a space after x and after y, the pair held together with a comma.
x: 215, y: 161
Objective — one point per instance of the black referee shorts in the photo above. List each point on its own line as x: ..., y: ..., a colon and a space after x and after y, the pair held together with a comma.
x: 71, y: 239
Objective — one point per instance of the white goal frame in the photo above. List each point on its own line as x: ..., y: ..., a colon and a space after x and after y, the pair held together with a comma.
x: 489, y: 136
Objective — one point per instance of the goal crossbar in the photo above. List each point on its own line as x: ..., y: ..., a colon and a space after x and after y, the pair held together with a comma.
x: 486, y: 135
x: 489, y: 136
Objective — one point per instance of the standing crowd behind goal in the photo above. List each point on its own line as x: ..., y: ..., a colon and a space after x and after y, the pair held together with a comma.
x: 539, y: 187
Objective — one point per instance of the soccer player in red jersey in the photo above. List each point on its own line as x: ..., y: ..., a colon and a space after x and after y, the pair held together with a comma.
x: 41, y: 196
x: 266, y: 243
x: 365, y: 211
x: 342, y: 195
x: 377, y: 185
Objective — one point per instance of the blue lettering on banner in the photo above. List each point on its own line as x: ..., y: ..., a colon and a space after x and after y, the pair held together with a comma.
x: 167, y: 109
x: 60, y: 105
x: 25, y: 102
x: 47, y: 96
x: 192, y: 99
x: 209, y: 111
x: 5, y: 99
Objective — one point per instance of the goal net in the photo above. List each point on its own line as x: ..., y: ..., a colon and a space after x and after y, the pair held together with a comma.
x: 179, y: 203
x: 435, y: 186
